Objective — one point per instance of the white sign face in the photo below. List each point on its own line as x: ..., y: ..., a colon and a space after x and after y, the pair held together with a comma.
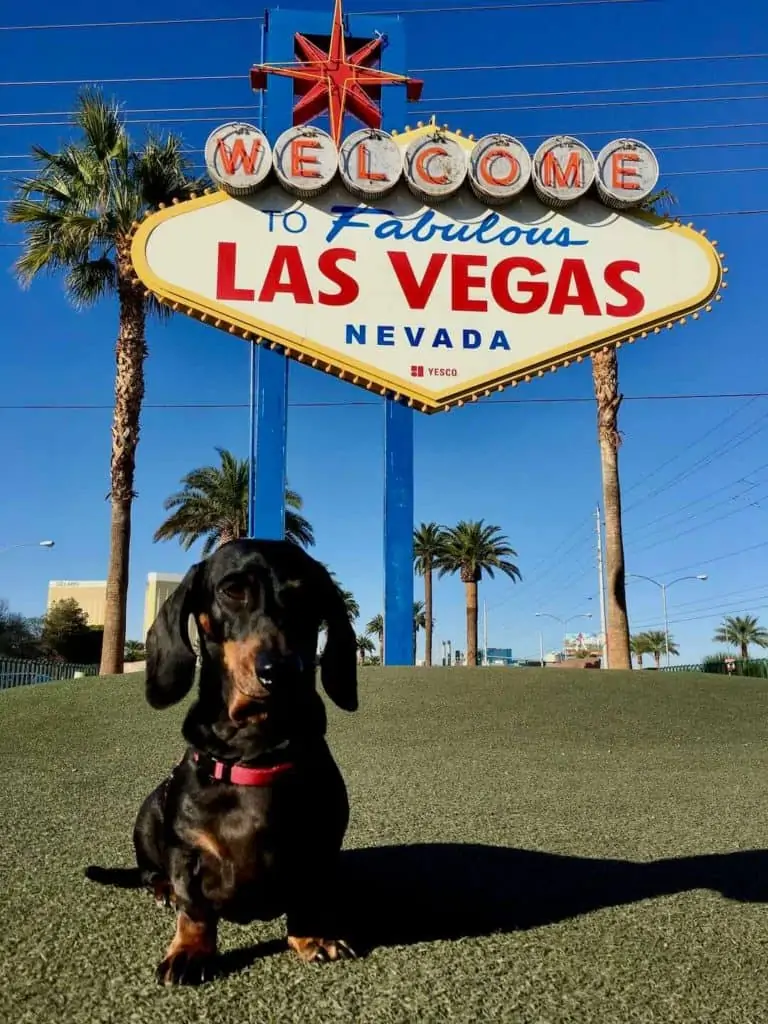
x: 435, y: 305
x: 238, y: 157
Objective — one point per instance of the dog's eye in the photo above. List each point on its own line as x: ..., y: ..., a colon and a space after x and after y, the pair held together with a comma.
x: 234, y: 591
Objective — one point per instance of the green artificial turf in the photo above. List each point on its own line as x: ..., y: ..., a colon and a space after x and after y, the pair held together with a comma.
x: 525, y: 846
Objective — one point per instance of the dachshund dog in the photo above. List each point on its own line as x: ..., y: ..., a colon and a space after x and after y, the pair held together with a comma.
x: 250, y: 823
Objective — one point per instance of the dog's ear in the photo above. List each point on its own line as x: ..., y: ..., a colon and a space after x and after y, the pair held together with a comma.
x: 170, y: 657
x: 338, y: 663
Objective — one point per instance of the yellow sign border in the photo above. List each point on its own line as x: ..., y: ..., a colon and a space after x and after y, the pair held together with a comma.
x: 309, y: 352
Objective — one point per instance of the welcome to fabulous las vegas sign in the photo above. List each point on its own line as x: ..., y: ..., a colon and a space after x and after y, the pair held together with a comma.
x: 426, y: 265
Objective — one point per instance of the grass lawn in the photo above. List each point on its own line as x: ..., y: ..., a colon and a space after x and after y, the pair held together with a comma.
x: 525, y: 846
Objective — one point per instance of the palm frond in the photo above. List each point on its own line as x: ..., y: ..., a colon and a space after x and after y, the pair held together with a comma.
x: 101, y: 124
x: 90, y: 280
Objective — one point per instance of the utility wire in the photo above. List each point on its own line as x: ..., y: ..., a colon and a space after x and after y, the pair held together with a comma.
x: 213, y: 406
x: 601, y: 104
x: 149, y: 23
x: 449, y: 69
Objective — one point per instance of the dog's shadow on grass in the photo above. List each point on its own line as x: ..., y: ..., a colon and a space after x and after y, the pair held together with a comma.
x: 400, y: 895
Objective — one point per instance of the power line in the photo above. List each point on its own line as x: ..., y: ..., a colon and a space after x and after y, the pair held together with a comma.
x: 150, y: 23
x: 694, y: 529
x: 705, y: 461
x: 705, y: 602
x: 622, y: 61
x: 213, y: 406
x: 668, y: 462
x: 632, y: 533
x: 584, y: 131
x: 592, y: 92
x: 715, y: 611
x: 602, y: 104
x: 446, y: 99
x: 711, y: 561
x: 547, y: 65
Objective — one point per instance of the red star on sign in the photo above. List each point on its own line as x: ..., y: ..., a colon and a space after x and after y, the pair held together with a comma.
x: 336, y: 82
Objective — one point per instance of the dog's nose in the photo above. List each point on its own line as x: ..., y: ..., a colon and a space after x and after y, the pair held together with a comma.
x: 270, y: 667
x: 265, y: 668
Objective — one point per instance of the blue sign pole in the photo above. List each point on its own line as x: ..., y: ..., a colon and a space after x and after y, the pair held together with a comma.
x: 270, y: 374
x: 268, y: 398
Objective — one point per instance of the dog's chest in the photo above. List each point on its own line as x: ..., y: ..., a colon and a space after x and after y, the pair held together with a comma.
x: 243, y: 850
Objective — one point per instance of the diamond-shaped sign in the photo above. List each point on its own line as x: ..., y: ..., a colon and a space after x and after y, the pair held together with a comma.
x: 430, y: 303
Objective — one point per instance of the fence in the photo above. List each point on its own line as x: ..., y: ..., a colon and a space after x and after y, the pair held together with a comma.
x: 757, y: 668
x: 21, y: 672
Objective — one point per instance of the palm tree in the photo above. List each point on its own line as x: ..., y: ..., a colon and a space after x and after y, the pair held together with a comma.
x: 350, y: 601
x: 605, y: 377
x: 656, y: 644
x: 419, y: 622
x: 134, y: 650
x: 213, y: 503
x: 428, y: 547
x: 638, y: 645
x: 364, y: 646
x: 741, y: 631
x: 78, y: 211
x: 375, y: 628
x: 471, y: 549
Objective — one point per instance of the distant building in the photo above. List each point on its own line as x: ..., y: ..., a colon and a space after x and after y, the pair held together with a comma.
x: 91, y: 595
x: 160, y: 586
x: 499, y: 656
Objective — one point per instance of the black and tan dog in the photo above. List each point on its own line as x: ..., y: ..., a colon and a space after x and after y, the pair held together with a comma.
x: 250, y: 823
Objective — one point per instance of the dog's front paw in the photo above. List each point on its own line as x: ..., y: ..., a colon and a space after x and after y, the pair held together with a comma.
x: 163, y: 892
x: 315, y: 951
x: 187, y: 967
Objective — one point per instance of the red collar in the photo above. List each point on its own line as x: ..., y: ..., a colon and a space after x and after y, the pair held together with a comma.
x: 241, y: 775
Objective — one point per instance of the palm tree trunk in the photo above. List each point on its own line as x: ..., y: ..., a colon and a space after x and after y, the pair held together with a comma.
x: 131, y: 351
x: 428, y: 615
x: 744, y: 650
x: 471, y: 593
x: 657, y: 658
x: 605, y: 374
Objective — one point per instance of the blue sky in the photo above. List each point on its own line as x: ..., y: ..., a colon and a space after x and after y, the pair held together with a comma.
x: 694, y: 471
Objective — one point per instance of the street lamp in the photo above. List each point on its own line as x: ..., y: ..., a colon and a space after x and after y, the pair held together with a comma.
x: 564, y: 622
x: 29, y: 544
x: 663, y: 587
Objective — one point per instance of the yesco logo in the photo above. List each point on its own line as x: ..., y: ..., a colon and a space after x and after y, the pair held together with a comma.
x: 434, y: 164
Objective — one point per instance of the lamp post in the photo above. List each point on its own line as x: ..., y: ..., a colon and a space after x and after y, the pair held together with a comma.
x: 663, y: 587
x: 564, y: 622
x: 28, y: 544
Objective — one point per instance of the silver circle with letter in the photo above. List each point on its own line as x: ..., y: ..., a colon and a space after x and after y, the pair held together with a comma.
x: 238, y: 158
x: 627, y: 173
x: 305, y: 160
x: 370, y: 163
x: 435, y: 166
x: 499, y: 169
x: 563, y: 170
